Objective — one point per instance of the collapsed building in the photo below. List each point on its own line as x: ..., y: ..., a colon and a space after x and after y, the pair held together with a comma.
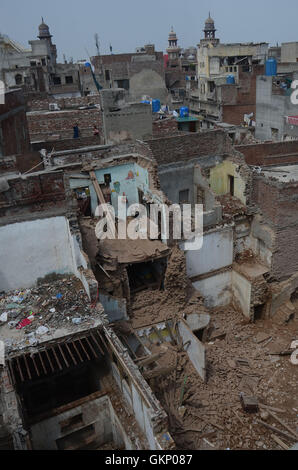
x: 157, y: 340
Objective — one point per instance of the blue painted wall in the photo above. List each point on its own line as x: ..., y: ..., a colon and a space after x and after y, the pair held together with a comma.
x: 127, y: 179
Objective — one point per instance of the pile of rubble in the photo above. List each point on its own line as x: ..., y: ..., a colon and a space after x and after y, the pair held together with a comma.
x: 250, y: 398
x: 30, y: 314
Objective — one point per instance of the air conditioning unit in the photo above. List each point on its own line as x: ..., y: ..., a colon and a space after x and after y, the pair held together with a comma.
x: 54, y: 107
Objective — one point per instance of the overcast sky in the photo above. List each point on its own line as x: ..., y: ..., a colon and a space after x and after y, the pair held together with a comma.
x: 131, y: 23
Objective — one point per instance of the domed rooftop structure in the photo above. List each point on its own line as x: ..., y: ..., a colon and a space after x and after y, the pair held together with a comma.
x: 209, y: 24
x: 44, y: 31
x: 172, y: 35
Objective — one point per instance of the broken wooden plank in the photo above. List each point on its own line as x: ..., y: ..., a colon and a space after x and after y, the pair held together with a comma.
x: 280, y: 442
x: 283, y: 424
x: 148, y: 360
x: 111, y: 222
x: 237, y: 416
x: 158, y: 372
x: 266, y: 407
x: 278, y: 431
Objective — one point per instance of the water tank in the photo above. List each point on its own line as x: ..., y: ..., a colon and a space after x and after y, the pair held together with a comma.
x: 184, y: 112
x: 155, y: 106
x: 271, y: 67
x: 230, y: 80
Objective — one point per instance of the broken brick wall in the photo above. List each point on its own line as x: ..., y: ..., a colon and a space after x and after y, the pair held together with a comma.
x: 279, y: 206
x: 164, y: 127
x: 34, y: 196
x: 279, y: 153
x: 13, y: 124
x: 41, y: 102
x: 67, y: 144
x: 189, y: 146
x: 241, y: 99
x: 57, y: 125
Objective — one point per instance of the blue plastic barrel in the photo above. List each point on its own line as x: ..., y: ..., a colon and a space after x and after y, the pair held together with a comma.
x: 155, y: 106
x: 230, y: 80
x: 271, y: 67
x: 184, y: 112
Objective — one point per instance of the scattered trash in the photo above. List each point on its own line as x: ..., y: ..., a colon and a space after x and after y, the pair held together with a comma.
x: 77, y: 321
x: 42, y: 330
x: 4, y: 317
x: 59, y: 296
x: 25, y: 322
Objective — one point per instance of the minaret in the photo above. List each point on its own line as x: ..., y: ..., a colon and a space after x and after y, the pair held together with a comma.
x: 45, y: 35
x: 209, y: 32
x: 173, y: 50
x: 44, y: 31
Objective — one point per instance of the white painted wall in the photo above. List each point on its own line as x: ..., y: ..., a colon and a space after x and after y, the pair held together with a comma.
x: 241, y: 288
x: 33, y: 249
x: 196, y: 350
x: 216, y: 253
x: 216, y: 289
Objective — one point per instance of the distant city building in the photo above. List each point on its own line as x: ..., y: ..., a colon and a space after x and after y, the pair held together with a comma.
x: 36, y: 69
x: 226, y: 78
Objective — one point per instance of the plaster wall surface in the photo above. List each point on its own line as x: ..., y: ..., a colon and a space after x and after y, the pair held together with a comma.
x: 242, y: 292
x: 216, y: 289
x: 34, y: 249
x: 216, y: 253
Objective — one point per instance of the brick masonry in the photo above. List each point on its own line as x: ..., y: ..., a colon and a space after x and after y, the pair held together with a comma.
x: 189, y: 146
x: 57, y: 125
x: 278, y: 153
x: 13, y: 123
x: 164, y: 127
x: 279, y: 206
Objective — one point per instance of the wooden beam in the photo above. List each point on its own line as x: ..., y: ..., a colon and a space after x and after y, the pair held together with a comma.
x: 97, y: 344
x: 278, y: 431
x: 91, y: 347
x: 101, y: 198
x: 27, y: 368
x: 50, y: 361
x: 71, y: 355
x: 77, y: 351
x: 63, y: 355
x: 84, y: 349
x: 35, y: 366
x: 42, y: 363
x: 20, y: 370
x: 280, y: 442
x: 57, y: 360
x: 283, y: 424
